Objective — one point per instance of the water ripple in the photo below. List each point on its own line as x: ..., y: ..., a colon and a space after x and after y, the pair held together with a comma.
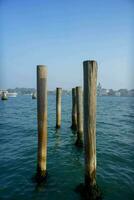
x: 65, y: 163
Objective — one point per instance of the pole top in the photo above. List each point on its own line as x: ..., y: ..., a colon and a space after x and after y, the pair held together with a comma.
x: 89, y: 61
x: 42, y: 70
x: 90, y: 65
x: 78, y: 87
x: 40, y: 66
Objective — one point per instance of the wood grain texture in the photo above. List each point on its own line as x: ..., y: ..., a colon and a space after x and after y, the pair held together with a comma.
x: 90, y: 81
x: 58, y: 107
x: 79, y: 100
x: 42, y: 118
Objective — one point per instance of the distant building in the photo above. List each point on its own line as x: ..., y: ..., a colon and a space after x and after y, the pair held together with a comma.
x: 131, y: 93
x: 99, y: 88
x: 111, y: 92
x: 104, y: 92
x: 117, y: 93
x: 123, y: 92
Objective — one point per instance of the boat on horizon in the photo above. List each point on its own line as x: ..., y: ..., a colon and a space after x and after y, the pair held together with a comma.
x: 4, y: 95
x: 12, y: 94
x: 34, y: 95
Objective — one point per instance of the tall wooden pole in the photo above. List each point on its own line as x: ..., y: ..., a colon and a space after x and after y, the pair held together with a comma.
x: 90, y: 81
x: 74, y: 110
x: 42, y: 120
x: 58, y: 107
x: 79, y: 99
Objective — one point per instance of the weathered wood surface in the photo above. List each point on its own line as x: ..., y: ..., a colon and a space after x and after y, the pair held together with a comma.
x: 79, y: 100
x: 42, y: 119
x: 90, y: 81
x: 58, y: 107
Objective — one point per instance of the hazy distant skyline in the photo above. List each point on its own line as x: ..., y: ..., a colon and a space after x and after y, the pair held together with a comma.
x: 62, y: 34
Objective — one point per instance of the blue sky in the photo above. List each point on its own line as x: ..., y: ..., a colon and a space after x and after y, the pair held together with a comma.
x: 62, y: 34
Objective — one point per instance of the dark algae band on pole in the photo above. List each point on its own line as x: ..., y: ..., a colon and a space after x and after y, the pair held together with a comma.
x: 90, y: 82
x: 42, y: 122
x: 58, y: 107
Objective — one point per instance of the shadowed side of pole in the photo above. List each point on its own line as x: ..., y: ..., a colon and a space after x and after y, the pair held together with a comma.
x: 74, y: 110
x: 42, y: 122
x: 58, y: 107
x: 79, y: 99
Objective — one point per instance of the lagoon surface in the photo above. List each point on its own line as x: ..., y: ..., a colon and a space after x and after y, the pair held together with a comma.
x: 65, y: 162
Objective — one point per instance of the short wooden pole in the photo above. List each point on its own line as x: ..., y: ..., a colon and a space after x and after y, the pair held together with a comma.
x: 74, y: 110
x: 58, y: 107
x: 90, y: 81
x: 42, y: 121
x: 79, y: 99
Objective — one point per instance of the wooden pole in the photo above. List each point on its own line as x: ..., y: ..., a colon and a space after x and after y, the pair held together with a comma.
x: 79, y: 96
x: 58, y: 107
x: 90, y: 81
x: 42, y: 121
x: 74, y: 110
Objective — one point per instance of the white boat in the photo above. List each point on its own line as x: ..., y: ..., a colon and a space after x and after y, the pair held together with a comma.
x: 12, y: 94
x: 34, y: 95
x: 4, y: 96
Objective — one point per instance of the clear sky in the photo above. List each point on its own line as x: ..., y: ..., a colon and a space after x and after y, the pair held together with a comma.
x: 62, y: 34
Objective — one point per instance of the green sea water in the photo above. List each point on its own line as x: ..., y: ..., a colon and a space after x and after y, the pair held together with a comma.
x: 65, y: 162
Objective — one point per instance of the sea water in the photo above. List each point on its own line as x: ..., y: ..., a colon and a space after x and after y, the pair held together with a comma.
x: 65, y: 162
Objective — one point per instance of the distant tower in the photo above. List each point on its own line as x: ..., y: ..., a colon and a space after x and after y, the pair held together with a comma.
x: 99, y: 88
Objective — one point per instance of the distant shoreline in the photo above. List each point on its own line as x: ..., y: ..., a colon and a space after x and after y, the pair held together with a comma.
x: 100, y: 92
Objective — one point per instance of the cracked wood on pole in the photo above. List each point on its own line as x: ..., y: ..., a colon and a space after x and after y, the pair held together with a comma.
x: 90, y: 81
x: 58, y: 107
x: 74, y: 110
x: 79, y: 97
x: 42, y: 120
